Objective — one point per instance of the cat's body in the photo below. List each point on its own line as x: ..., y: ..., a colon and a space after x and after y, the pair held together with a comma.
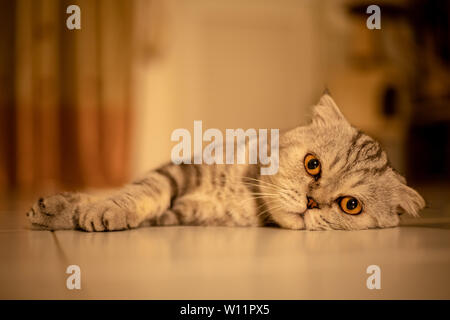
x: 331, y: 176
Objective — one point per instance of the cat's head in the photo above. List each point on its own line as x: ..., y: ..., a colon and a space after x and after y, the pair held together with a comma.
x: 333, y: 176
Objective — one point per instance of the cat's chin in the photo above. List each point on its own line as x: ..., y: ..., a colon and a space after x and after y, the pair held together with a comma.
x: 288, y: 219
x: 301, y: 214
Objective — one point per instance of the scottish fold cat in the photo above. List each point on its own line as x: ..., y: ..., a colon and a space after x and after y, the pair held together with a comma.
x: 331, y: 176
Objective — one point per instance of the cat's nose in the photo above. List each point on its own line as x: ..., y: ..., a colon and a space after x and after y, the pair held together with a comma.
x: 312, y: 203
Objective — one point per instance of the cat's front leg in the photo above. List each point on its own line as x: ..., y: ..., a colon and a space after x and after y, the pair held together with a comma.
x: 143, y: 200
x: 66, y: 211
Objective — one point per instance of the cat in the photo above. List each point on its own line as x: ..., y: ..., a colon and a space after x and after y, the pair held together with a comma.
x: 331, y: 176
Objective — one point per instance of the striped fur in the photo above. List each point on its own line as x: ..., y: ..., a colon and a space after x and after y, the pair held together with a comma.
x: 235, y: 195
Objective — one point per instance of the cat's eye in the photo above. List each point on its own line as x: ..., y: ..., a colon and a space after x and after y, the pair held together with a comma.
x: 350, y: 205
x: 312, y: 165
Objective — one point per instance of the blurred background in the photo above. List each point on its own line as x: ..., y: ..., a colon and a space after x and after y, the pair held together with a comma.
x: 94, y: 108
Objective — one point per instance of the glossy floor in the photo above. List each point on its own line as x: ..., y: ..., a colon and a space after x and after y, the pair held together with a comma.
x: 225, y: 263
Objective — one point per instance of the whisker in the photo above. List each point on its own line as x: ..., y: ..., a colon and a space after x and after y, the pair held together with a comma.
x: 263, y: 182
x: 264, y: 194
x: 268, y: 209
x: 266, y: 203
x: 259, y: 186
x: 274, y: 189
x: 259, y: 197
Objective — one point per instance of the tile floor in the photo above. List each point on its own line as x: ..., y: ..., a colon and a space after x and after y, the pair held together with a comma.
x: 225, y: 263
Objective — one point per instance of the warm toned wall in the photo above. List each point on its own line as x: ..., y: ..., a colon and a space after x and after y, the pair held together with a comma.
x: 230, y: 64
x: 140, y: 69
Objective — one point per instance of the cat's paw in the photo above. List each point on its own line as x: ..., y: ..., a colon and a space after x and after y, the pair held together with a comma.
x: 107, y: 216
x: 55, y: 212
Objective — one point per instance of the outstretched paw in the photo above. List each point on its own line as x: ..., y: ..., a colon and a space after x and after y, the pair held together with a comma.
x: 107, y: 216
x: 55, y: 212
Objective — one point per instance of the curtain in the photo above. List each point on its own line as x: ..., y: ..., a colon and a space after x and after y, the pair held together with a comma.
x: 66, y: 98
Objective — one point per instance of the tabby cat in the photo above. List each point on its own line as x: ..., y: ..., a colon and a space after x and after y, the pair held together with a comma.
x: 331, y: 176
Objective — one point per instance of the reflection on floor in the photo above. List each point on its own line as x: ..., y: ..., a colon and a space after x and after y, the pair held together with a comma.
x: 226, y: 263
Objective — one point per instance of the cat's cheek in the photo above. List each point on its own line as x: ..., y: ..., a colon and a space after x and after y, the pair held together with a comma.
x: 385, y: 221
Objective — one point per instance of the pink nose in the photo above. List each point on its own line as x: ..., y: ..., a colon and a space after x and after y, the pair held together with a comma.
x: 312, y: 203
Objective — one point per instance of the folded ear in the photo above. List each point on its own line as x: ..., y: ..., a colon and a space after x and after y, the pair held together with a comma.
x: 326, y: 112
x: 409, y: 201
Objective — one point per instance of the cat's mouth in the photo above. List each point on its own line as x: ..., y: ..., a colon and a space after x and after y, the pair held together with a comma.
x: 312, y: 204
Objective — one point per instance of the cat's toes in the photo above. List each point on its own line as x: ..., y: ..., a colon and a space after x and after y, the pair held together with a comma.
x: 107, y: 217
x: 53, y: 212
x: 91, y: 218
x: 119, y: 220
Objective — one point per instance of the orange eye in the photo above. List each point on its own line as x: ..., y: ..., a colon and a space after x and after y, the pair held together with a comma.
x: 312, y: 165
x: 350, y: 205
